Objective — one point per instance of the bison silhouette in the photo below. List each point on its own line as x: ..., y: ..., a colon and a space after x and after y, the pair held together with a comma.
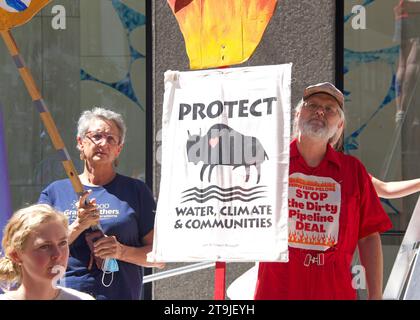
x: 224, y: 146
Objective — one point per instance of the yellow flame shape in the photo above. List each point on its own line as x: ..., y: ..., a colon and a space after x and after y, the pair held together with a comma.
x: 221, y: 32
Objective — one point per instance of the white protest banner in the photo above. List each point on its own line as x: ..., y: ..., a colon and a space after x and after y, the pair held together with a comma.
x: 225, y: 166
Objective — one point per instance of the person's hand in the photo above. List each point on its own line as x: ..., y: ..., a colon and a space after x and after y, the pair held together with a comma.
x: 375, y: 297
x: 159, y: 265
x: 108, y: 247
x: 399, y: 11
x: 408, y: 8
x: 87, y: 212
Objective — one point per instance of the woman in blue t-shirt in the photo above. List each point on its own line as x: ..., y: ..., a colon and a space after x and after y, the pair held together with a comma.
x: 124, y: 208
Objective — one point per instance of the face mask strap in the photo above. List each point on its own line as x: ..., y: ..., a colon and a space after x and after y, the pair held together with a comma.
x: 103, y: 278
x: 105, y: 272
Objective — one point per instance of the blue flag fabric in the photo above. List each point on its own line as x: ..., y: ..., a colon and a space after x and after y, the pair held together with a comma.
x: 5, y: 201
x: 18, y: 5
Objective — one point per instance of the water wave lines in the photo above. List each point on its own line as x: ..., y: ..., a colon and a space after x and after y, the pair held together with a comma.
x: 222, y: 189
x: 223, y: 194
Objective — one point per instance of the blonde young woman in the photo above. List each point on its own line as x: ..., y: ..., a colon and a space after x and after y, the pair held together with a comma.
x: 36, y: 251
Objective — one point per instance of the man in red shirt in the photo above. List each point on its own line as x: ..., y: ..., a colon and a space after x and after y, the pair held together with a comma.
x: 333, y: 208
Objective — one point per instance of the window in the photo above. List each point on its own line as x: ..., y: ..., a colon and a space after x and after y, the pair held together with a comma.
x: 97, y: 58
x: 381, y: 63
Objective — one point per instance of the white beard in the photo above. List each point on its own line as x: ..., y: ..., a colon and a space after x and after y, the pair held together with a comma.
x: 316, y: 132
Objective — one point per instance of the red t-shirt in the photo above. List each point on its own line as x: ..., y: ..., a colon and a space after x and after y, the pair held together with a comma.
x: 331, y: 207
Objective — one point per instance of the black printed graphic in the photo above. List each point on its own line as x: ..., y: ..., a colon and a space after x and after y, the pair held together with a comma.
x: 224, y: 195
x: 224, y: 146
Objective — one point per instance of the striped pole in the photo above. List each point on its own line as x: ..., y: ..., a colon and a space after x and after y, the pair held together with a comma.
x: 45, y: 115
x: 40, y: 105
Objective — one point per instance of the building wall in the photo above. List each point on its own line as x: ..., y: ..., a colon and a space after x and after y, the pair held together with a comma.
x: 301, y: 32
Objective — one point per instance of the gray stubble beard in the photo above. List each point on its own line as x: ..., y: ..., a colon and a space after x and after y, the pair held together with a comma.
x: 307, y: 129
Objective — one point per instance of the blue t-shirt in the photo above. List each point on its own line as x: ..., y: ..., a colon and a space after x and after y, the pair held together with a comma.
x: 127, y: 211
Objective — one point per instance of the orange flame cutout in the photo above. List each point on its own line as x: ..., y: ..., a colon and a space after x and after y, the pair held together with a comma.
x: 320, y: 240
x: 9, y: 20
x: 221, y: 32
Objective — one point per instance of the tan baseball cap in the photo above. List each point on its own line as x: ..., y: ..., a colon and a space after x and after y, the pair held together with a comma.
x: 325, y: 87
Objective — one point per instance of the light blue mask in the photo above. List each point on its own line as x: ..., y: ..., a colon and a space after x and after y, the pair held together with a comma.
x: 109, y: 266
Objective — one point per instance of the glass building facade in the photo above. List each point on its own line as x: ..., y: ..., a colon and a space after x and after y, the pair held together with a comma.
x: 381, y: 59
x: 91, y: 54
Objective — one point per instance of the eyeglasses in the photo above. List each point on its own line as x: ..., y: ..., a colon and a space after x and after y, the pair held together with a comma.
x: 328, y: 110
x: 98, y: 137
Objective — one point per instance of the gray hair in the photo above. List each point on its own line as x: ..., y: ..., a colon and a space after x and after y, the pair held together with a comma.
x: 103, y: 114
x: 333, y: 140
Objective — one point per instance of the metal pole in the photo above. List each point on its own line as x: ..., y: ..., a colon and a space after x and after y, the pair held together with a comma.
x: 177, y: 271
